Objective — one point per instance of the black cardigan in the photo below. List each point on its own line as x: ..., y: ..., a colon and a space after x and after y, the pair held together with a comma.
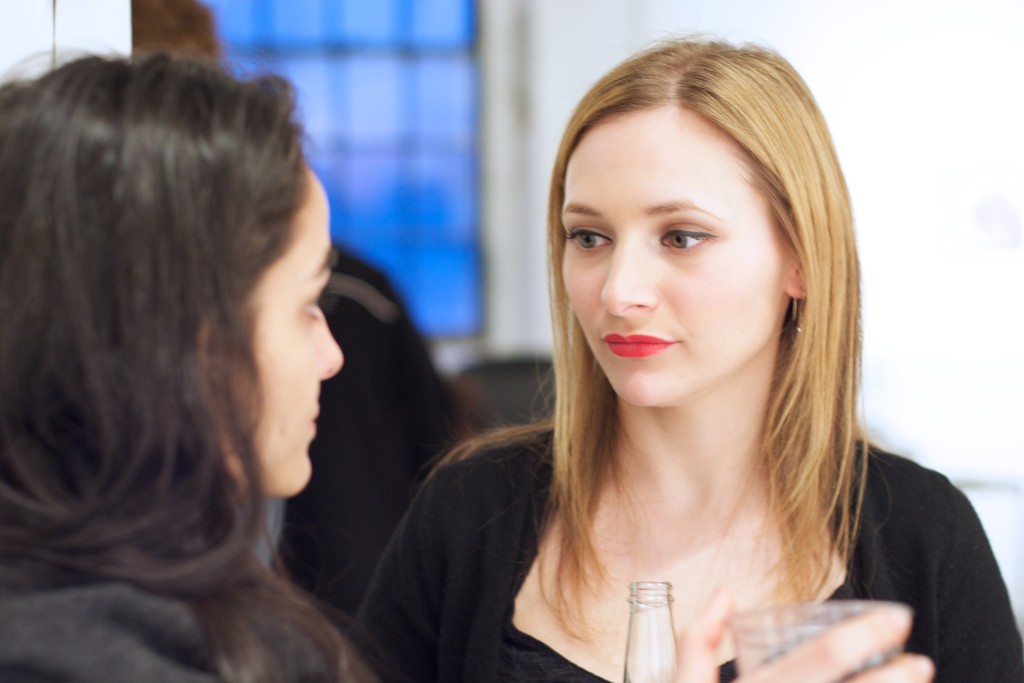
x: 449, y: 577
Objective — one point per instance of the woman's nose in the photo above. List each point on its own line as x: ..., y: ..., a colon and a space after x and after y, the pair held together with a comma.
x: 630, y: 285
x: 329, y: 355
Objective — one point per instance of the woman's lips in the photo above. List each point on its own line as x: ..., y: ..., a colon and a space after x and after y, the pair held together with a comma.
x: 635, y: 345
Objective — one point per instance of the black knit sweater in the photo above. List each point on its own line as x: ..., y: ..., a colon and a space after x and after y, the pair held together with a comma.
x: 448, y: 580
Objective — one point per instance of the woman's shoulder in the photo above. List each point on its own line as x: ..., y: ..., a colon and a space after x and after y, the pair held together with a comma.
x: 499, y: 478
x: 512, y: 457
x: 108, y: 630
x: 922, y: 543
x: 907, y: 500
x: 905, y: 482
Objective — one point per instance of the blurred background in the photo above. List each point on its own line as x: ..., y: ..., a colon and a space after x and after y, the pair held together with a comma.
x: 433, y: 124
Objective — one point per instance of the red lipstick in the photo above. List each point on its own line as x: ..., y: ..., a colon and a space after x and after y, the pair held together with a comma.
x: 635, y: 345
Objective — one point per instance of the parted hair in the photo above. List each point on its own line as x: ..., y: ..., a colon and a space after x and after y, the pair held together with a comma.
x: 140, y: 203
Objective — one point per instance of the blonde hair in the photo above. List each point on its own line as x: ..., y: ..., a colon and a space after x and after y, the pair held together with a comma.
x: 812, y: 433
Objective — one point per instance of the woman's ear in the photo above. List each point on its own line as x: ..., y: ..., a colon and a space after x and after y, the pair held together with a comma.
x: 794, y: 283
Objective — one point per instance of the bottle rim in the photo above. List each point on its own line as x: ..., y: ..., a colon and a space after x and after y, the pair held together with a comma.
x: 650, y: 593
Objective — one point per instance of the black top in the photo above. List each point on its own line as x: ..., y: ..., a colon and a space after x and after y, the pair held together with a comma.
x: 113, y: 632
x: 524, y: 659
x: 438, y: 605
x: 56, y: 627
x: 108, y: 632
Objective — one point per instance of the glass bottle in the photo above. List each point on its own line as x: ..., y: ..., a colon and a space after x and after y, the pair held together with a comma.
x: 651, y: 645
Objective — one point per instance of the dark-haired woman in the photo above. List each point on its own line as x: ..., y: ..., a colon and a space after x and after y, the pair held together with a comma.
x: 162, y: 250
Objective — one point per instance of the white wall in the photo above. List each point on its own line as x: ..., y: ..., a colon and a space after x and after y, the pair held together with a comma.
x: 925, y: 101
x: 31, y: 33
x: 26, y: 33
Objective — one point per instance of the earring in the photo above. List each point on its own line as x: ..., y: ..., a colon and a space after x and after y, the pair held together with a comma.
x: 794, y: 314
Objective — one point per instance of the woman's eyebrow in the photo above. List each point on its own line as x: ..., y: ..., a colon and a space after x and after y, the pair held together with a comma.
x: 581, y: 209
x: 677, y: 206
x: 326, y: 266
x: 661, y: 209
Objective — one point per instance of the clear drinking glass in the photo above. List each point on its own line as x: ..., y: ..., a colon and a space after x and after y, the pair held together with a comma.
x: 762, y: 635
x: 651, y: 646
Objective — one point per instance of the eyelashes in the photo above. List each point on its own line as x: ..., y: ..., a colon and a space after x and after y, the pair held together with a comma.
x: 587, y: 239
x: 685, y: 239
x: 680, y: 240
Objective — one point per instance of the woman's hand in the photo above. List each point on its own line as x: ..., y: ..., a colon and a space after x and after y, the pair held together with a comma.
x: 825, y: 659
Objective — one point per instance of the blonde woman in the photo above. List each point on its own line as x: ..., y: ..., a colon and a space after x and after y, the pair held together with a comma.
x: 705, y: 289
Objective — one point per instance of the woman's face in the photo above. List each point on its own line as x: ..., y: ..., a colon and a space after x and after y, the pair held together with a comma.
x: 673, y: 267
x: 294, y: 348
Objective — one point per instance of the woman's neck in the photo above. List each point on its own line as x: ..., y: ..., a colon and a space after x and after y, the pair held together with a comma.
x: 696, y: 457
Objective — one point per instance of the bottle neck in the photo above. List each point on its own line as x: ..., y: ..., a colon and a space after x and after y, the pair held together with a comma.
x: 647, y: 594
x: 651, y: 645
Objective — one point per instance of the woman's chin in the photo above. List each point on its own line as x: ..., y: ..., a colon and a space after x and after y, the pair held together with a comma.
x: 287, y: 482
x: 642, y: 394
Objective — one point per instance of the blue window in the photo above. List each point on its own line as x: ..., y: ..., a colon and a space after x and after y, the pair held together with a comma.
x: 389, y: 95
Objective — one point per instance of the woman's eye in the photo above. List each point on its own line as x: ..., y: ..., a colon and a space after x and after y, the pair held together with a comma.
x: 326, y: 301
x: 316, y: 309
x: 679, y: 239
x: 587, y: 239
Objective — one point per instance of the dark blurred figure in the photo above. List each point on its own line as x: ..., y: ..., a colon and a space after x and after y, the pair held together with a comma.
x: 502, y: 392
x: 381, y: 421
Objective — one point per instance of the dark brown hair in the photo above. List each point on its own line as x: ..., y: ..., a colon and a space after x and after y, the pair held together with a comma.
x: 140, y: 203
